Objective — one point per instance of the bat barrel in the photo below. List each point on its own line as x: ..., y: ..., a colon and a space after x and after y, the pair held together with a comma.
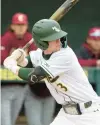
x: 63, y: 9
x: 60, y: 12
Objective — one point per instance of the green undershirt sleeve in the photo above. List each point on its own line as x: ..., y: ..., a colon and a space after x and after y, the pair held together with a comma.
x: 24, y: 71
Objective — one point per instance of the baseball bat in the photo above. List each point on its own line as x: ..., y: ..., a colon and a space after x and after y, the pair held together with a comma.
x: 58, y: 14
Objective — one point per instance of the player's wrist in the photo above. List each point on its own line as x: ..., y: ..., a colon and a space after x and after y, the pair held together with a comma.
x: 11, y: 65
x: 15, y: 69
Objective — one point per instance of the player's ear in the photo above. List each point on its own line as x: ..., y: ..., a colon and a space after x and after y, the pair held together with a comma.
x: 58, y: 41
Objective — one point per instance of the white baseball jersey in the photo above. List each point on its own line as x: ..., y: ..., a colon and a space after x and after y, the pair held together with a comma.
x: 72, y: 84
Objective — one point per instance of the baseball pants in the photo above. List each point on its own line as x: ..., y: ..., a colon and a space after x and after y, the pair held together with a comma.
x: 12, y: 98
x: 62, y: 118
x: 39, y: 111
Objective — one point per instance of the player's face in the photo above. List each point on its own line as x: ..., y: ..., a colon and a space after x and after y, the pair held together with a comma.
x: 95, y: 44
x: 19, y: 29
x: 53, y: 47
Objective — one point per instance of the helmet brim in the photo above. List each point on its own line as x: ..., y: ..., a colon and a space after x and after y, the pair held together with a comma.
x: 54, y: 36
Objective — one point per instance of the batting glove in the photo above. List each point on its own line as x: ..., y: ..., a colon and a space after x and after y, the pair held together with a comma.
x: 18, y: 54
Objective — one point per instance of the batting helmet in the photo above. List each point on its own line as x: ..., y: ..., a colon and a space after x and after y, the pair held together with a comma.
x: 46, y: 30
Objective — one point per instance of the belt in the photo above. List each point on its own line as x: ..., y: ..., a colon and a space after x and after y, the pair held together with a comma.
x: 74, y: 108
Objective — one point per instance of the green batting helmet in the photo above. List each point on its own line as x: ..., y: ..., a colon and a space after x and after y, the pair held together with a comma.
x: 46, y: 30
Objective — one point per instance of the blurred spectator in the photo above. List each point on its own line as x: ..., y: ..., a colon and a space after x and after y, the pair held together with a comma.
x: 41, y: 109
x: 89, y: 52
x: 16, y: 36
x: 14, y: 94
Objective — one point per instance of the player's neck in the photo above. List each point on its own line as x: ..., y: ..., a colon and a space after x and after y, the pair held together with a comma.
x: 49, y: 51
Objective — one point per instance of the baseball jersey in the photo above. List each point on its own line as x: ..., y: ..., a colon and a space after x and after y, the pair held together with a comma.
x: 71, y: 83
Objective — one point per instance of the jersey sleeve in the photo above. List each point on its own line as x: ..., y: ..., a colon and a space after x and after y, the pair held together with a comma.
x: 57, y: 66
x: 34, y: 56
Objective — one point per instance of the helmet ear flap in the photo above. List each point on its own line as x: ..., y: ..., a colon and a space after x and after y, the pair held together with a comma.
x: 42, y: 44
x: 39, y: 43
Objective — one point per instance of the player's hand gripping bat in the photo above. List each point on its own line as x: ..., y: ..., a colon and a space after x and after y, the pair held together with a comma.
x: 58, y: 14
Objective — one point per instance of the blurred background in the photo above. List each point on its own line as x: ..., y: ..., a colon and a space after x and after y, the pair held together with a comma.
x: 77, y: 22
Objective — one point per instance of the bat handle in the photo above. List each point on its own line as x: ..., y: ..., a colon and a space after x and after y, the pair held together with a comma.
x: 28, y: 44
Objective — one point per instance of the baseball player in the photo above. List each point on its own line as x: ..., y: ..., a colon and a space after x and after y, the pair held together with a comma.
x: 57, y: 65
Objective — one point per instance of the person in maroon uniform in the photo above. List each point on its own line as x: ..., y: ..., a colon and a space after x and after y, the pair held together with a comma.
x: 16, y: 36
x: 13, y: 94
x: 89, y: 52
x: 37, y: 104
